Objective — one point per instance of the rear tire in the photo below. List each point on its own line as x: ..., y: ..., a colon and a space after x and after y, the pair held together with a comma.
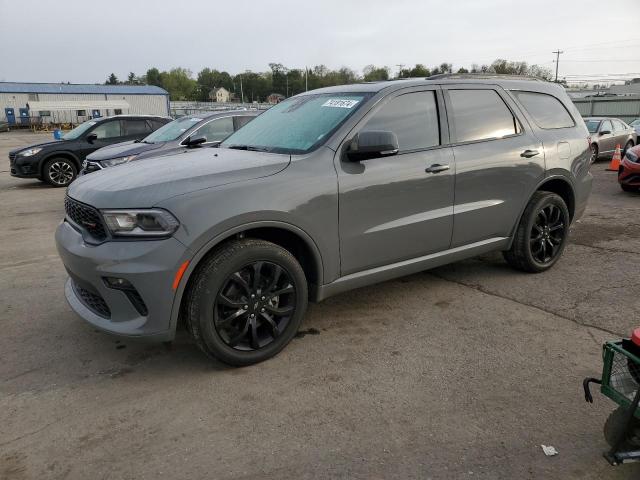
x: 541, y: 234
x: 246, y: 302
x: 59, y: 172
x: 627, y: 146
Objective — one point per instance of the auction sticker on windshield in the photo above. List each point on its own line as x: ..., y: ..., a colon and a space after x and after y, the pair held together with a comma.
x: 338, y: 103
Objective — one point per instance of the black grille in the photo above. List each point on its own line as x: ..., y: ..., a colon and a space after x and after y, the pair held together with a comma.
x: 12, y: 158
x: 85, y: 217
x: 93, y: 301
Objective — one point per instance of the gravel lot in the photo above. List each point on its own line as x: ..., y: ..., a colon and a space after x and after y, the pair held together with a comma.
x: 459, y: 372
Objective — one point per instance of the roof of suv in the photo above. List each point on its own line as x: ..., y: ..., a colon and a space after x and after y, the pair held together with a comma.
x: 508, y: 82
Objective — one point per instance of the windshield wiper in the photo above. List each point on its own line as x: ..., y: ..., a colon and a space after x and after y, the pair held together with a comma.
x: 251, y: 148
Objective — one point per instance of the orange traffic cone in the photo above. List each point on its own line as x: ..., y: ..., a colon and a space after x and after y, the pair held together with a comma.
x: 615, y: 160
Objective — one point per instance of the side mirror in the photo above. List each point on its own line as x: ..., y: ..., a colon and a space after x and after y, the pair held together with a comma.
x: 92, y: 137
x: 372, y: 144
x: 195, y: 141
x: 605, y: 132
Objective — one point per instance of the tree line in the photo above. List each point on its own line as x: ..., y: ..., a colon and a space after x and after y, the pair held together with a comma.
x: 182, y: 84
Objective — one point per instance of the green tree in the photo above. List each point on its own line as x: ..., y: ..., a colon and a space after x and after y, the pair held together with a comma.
x: 153, y: 77
x: 131, y: 79
x: 112, y: 80
x: 462, y: 70
x: 179, y: 84
x: 373, y: 73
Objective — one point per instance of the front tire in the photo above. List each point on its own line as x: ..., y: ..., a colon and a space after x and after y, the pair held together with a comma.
x: 247, y: 302
x: 541, y: 234
x: 629, y: 188
x: 594, y: 152
x: 59, y: 172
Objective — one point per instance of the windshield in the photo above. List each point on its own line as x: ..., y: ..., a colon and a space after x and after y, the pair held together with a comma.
x: 172, y: 130
x: 592, y: 125
x: 297, y: 125
x: 78, y: 131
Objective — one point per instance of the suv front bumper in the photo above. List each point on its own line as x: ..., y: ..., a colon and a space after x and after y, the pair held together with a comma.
x: 23, y: 167
x: 149, y: 266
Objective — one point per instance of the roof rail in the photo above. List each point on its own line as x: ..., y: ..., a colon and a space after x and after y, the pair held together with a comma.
x: 472, y: 76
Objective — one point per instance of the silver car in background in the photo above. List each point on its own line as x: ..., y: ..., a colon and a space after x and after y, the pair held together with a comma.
x: 606, y: 133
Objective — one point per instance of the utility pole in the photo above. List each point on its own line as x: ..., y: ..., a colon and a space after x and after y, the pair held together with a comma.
x: 306, y: 79
x: 557, y: 52
x: 287, y: 84
x: 241, y: 91
x: 399, y: 65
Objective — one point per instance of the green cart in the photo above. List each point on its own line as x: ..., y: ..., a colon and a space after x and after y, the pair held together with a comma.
x: 621, y: 383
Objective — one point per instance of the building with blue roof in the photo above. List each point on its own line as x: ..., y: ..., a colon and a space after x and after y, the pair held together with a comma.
x: 29, y: 103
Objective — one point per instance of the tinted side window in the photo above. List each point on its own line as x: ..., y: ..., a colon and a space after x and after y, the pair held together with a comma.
x: 216, y: 130
x: 241, y: 121
x: 480, y: 115
x: 108, y: 130
x: 546, y: 110
x: 413, y: 117
x: 136, y: 127
x: 606, y: 126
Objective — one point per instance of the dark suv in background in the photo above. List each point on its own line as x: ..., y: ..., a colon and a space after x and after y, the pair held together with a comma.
x: 58, y: 162
x: 206, y: 129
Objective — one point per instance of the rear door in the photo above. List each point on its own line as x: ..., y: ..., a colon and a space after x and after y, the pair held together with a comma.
x: 392, y: 208
x: 136, y: 128
x: 498, y: 159
x: 606, y: 137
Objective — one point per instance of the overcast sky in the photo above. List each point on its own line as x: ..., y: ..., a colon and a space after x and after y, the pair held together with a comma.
x: 83, y: 41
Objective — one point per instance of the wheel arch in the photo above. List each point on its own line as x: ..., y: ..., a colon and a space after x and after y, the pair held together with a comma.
x: 558, y: 184
x: 288, y: 236
x: 64, y: 154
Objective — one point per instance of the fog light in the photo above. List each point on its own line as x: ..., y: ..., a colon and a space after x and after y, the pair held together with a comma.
x: 118, y: 283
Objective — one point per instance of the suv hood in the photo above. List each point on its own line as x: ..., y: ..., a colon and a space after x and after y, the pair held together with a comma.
x: 145, y: 184
x: 41, y: 145
x: 123, y: 149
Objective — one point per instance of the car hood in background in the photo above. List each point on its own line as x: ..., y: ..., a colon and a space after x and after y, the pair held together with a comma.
x: 145, y: 184
x: 123, y: 149
x: 41, y: 145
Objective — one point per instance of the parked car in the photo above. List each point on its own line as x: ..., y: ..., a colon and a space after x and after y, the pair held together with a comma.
x: 58, y: 162
x: 186, y: 132
x: 636, y: 125
x: 606, y: 133
x: 327, y: 191
x: 629, y: 170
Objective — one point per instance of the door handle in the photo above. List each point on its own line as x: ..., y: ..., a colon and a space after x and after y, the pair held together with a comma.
x: 529, y: 153
x: 437, y: 168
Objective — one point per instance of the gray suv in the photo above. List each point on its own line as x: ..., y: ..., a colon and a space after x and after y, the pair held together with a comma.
x: 329, y: 190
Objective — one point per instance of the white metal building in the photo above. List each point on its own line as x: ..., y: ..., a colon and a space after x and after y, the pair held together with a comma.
x: 27, y: 103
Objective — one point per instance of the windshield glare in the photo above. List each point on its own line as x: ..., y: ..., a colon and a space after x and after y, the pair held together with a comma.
x: 592, y: 125
x: 299, y: 124
x: 78, y: 131
x: 173, y: 130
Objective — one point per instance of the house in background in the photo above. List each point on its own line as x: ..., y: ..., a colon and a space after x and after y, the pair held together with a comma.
x: 275, y: 98
x: 220, y: 95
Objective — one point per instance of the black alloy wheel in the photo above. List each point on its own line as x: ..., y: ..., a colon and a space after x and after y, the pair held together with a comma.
x: 547, y: 234
x: 254, y: 305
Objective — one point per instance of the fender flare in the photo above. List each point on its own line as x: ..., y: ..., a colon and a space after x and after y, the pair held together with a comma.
x: 196, y: 257
x: 553, y: 176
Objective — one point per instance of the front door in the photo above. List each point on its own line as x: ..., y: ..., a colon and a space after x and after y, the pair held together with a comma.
x: 107, y: 132
x: 391, y: 208
x: 499, y: 161
x: 24, y: 116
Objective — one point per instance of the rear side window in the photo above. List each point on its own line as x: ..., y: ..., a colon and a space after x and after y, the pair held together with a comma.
x: 137, y: 127
x: 480, y: 115
x: 547, y: 111
x: 619, y: 126
x: 413, y: 117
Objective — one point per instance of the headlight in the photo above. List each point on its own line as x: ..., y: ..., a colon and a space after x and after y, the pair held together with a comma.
x: 632, y: 156
x: 140, y: 223
x: 29, y: 152
x: 117, y: 161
